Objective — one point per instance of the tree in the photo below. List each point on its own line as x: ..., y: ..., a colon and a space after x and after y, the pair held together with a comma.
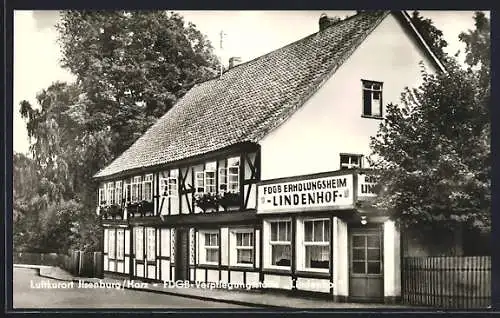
x: 431, y: 35
x: 433, y: 150
x: 132, y: 66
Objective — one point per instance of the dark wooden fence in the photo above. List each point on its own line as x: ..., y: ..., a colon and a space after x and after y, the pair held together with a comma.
x: 78, y: 263
x: 447, y: 282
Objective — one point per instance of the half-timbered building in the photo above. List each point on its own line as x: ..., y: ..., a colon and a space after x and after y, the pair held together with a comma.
x: 259, y: 176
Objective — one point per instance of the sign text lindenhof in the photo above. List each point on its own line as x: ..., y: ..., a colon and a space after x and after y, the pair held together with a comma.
x: 322, y: 193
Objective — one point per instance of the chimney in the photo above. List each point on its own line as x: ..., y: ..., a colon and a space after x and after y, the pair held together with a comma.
x: 326, y: 21
x: 233, y: 61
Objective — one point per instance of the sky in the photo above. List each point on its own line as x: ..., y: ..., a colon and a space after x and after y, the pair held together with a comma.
x: 248, y: 34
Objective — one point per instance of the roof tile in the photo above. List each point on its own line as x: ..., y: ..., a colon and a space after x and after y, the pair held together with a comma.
x: 248, y: 101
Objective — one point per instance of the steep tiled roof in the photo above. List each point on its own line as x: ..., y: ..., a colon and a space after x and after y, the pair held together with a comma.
x: 249, y: 100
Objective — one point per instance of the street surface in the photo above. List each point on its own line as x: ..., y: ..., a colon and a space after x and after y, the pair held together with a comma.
x: 33, y: 291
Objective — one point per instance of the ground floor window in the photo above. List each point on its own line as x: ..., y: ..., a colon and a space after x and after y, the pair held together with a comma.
x: 111, y: 243
x: 280, y: 243
x: 209, y: 247
x: 317, y: 244
x: 139, y: 243
x: 151, y: 244
x: 242, y: 247
x: 120, y: 244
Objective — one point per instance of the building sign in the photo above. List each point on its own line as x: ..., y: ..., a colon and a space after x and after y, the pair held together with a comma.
x: 367, y: 185
x: 333, y: 192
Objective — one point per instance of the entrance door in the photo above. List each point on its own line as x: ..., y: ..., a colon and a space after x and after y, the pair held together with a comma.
x: 366, y: 278
x: 181, y: 254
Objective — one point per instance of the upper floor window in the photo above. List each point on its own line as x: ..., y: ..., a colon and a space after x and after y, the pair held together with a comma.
x: 205, y: 181
x: 136, y: 189
x: 147, y: 188
x: 229, y: 177
x: 128, y: 191
x: 110, y: 198
x: 372, y: 99
x: 118, y: 192
x: 350, y: 161
x: 168, y: 187
x: 102, y: 199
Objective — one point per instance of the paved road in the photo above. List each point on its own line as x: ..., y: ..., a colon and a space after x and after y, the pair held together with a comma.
x: 25, y: 295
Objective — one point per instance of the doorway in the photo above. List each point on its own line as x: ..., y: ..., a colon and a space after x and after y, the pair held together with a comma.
x: 181, y: 254
x: 366, y: 272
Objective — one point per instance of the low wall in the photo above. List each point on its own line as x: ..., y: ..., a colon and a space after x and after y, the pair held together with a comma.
x: 79, y: 263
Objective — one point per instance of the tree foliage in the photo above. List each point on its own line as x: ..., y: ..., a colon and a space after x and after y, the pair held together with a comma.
x: 433, y: 150
x: 431, y: 35
x: 130, y: 68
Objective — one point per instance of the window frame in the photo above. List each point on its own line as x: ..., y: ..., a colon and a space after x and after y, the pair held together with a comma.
x: 110, y: 193
x: 222, y: 175
x: 151, y: 248
x: 101, y: 196
x: 140, y: 247
x: 112, y: 247
x: 203, y: 247
x: 372, y: 91
x: 169, y: 187
x: 233, y: 163
x: 148, y: 179
x: 302, y: 253
x: 205, y: 183
x: 120, y: 248
x: 135, y: 189
x: 119, y: 192
x: 199, y: 176
x: 128, y: 190
x: 270, y: 243
x: 234, y: 247
x: 350, y: 165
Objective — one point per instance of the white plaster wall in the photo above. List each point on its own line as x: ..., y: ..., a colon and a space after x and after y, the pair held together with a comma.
x: 212, y: 275
x: 127, y: 263
x: 392, y: 260
x: 200, y: 275
x: 340, y: 258
x: 278, y: 281
x: 253, y: 278
x: 224, y: 246
x: 224, y: 276
x: 236, y: 277
x: 330, y: 122
x: 165, y: 270
x: 313, y: 284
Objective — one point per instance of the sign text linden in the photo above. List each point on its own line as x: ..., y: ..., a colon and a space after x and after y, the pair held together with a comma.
x: 320, y: 193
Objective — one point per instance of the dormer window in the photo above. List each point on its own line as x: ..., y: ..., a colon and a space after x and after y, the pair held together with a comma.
x: 372, y: 99
x: 350, y: 161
